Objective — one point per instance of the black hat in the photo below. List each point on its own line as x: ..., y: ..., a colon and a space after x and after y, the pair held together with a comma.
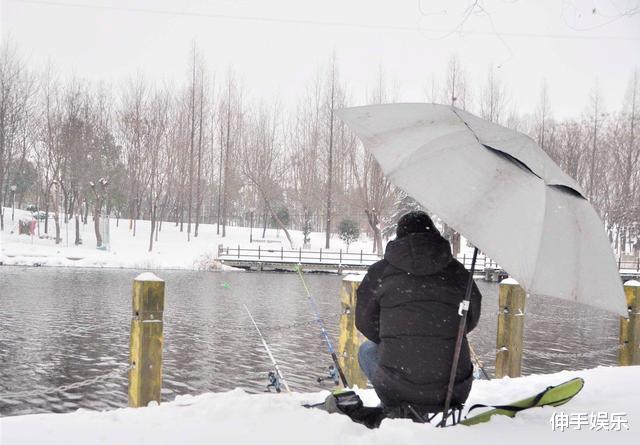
x: 414, y: 222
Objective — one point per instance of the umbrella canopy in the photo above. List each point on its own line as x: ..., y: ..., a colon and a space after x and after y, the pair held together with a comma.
x: 501, y: 191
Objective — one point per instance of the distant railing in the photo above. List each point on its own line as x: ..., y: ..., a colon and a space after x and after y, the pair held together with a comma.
x: 270, y: 254
x: 296, y: 256
x: 482, y: 262
x: 632, y: 265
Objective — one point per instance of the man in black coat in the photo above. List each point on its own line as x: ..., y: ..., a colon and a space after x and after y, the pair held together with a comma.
x: 407, y: 307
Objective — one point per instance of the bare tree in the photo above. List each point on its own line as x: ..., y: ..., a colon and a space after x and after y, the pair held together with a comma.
x: 330, y: 107
x: 493, y: 98
x: 262, y: 162
x: 455, y: 91
x: 595, y: 116
x: 543, y: 116
x: 373, y: 188
x: 16, y: 92
x: 305, y: 155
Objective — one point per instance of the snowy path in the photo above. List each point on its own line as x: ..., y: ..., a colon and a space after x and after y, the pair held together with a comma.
x: 238, y: 418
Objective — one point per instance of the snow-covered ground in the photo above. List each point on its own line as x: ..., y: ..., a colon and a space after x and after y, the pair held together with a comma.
x: 172, y: 251
x: 238, y: 418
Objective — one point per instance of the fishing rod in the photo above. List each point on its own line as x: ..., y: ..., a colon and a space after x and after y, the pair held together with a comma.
x: 314, y: 308
x: 266, y: 347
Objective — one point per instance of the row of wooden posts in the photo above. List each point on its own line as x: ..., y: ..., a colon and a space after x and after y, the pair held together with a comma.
x: 145, y: 374
x: 511, y: 312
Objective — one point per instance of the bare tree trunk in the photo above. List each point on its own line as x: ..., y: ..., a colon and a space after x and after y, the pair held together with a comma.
x: 199, y: 174
x: 191, y: 143
x: 279, y: 222
x: 56, y: 206
x: 153, y: 225
x: 219, y: 215
x: 330, y: 167
x: 374, y: 223
x: 96, y: 222
x: 226, y: 168
x: 46, y: 214
x: 77, y: 220
x: 264, y: 224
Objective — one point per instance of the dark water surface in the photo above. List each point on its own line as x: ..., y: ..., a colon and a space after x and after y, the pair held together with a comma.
x: 61, y: 326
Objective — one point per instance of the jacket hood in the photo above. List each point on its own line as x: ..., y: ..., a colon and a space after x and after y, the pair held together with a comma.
x: 419, y: 253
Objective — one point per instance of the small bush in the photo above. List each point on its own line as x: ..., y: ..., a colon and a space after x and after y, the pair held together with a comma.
x: 348, y: 231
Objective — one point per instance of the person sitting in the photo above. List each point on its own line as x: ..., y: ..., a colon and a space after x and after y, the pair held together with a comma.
x: 407, y: 308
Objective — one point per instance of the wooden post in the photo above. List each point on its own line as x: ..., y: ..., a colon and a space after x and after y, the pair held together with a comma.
x: 258, y: 251
x: 350, y: 338
x: 510, y: 329
x: 145, y: 356
x: 629, y: 353
x: 321, y: 254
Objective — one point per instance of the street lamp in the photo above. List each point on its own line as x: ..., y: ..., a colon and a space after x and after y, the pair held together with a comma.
x: 13, y: 201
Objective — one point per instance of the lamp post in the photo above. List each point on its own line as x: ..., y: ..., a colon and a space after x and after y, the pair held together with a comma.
x: 13, y: 201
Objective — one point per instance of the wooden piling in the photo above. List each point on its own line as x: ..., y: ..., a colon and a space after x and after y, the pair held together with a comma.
x: 145, y: 356
x: 350, y: 338
x: 510, y: 329
x: 629, y: 352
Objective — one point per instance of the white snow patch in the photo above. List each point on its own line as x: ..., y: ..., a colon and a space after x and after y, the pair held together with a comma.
x: 148, y: 276
x: 509, y: 281
x: 171, y: 251
x: 357, y: 278
x: 632, y: 283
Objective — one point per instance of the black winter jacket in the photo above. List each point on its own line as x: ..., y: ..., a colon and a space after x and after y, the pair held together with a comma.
x: 408, y: 304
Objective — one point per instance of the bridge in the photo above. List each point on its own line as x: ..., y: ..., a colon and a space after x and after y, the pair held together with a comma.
x: 339, y: 261
x: 328, y: 261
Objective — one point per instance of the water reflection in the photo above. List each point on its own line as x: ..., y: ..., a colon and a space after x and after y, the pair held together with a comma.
x: 60, y: 326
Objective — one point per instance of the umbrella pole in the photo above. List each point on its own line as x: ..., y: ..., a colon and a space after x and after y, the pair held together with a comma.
x: 462, y: 311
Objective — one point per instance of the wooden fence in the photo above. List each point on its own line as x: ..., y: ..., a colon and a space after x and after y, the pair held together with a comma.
x: 147, y: 339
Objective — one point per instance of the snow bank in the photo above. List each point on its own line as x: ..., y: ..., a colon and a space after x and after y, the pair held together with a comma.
x: 238, y: 418
x: 170, y: 251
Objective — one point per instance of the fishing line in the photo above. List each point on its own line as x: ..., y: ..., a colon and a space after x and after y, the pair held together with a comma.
x: 266, y: 347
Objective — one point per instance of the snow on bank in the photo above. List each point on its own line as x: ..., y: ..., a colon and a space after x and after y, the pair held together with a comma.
x: 238, y: 418
x: 171, y: 251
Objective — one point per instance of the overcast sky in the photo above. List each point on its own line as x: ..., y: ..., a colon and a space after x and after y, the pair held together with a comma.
x: 276, y: 46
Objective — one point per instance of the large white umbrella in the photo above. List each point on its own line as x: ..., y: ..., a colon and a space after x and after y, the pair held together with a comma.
x: 501, y: 191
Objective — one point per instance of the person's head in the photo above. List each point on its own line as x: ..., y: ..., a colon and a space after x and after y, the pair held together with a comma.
x: 416, y: 221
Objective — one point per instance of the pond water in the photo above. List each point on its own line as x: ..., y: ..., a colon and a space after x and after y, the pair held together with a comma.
x: 60, y: 326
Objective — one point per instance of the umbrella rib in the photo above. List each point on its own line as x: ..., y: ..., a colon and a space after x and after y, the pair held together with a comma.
x: 539, y: 248
x: 504, y: 154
